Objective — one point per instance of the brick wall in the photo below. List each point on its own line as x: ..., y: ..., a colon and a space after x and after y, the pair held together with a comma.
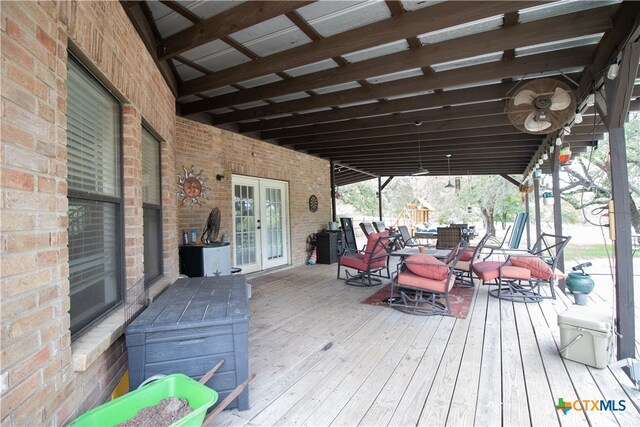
x: 216, y: 151
x: 37, y: 382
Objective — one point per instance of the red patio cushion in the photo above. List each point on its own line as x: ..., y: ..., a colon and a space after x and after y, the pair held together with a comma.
x: 407, y: 278
x: 380, y: 250
x: 354, y: 261
x: 537, y: 266
x: 490, y: 270
x: 427, y: 266
x: 468, y: 254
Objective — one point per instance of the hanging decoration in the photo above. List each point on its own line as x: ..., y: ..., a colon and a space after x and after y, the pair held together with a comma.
x: 547, y: 198
x: 565, y: 154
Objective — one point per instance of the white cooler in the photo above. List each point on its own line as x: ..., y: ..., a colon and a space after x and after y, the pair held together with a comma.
x: 586, y: 336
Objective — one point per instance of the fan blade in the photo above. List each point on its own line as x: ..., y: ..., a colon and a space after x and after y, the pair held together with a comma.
x: 560, y: 100
x: 533, y: 125
x: 524, y: 97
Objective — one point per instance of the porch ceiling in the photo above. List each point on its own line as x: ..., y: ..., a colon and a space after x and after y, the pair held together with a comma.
x: 348, y: 80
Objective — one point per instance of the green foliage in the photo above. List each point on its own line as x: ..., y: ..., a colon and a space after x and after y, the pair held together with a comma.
x: 361, y: 196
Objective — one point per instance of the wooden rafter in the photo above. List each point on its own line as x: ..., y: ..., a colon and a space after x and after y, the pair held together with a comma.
x: 439, y: 16
x: 566, y: 58
x: 532, y: 33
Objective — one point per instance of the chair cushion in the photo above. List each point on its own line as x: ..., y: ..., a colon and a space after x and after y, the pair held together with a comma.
x: 407, y: 278
x: 354, y: 261
x: 379, y: 250
x: 468, y: 254
x: 537, y: 266
x: 427, y: 266
x: 463, y: 266
x: 490, y: 270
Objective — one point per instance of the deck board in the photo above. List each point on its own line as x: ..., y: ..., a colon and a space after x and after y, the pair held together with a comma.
x: 323, y: 358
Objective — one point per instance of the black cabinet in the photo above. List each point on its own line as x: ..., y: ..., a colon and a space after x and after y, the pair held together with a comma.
x: 328, y: 246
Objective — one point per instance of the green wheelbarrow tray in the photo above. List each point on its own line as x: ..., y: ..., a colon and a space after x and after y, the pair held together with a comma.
x: 199, y: 397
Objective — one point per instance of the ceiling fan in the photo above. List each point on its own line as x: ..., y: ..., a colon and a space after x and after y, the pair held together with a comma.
x: 421, y: 169
x: 541, y: 106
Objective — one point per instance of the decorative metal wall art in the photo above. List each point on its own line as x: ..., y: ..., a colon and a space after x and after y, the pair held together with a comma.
x: 191, y: 185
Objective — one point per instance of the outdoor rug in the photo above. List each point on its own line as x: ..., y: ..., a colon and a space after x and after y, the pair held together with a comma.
x: 459, y: 298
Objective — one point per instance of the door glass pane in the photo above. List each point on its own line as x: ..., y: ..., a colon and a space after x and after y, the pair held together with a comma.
x: 273, y: 222
x: 245, y: 225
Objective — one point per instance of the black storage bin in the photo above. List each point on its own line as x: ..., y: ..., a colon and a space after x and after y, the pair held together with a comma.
x: 327, y: 247
x: 189, y: 328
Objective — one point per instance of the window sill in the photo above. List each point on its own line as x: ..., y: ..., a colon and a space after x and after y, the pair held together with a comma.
x: 91, y: 345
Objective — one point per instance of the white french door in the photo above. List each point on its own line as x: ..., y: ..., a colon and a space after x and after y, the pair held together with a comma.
x: 260, y: 223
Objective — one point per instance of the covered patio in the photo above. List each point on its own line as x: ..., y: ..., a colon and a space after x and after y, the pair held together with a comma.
x: 324, y: 358
x: 106, y: 104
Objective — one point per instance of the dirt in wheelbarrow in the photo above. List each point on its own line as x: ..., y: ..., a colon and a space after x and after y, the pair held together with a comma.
x: 166, y: 412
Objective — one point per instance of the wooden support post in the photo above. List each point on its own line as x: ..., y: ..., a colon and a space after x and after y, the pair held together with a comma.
x: 557, y: 215
x: 380, y: 197
x: 622, y: 244
x: 536, y: 203
x: 526, y: 207
x: 618, y: 93
x: 333, y: 191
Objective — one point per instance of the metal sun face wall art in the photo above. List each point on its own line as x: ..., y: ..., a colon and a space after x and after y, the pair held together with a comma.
x: 191, y: 185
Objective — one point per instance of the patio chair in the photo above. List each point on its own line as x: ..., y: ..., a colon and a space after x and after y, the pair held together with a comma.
x: 406, y: 239
x: 464, y: 268
x: 423, y: 283
x: 515, y: 237
x: 448, y: 238
x: 370, y: 262
x: 349, y: 234
x: 521, y: 275
x: 367, y: 228
x: 379, y: 226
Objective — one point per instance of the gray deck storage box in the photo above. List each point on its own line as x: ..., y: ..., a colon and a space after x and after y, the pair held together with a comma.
x: 585, y: 336
x: 189, y: 328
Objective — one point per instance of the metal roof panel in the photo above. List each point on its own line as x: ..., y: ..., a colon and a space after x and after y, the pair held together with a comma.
x: 328, y: 21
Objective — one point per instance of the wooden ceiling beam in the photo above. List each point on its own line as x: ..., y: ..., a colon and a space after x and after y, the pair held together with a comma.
x: 625, y: 22
x: 412, y: 155
x: 557, y: 28
x: 471, y: 143
x: 230, y: 21
x: 420, y: 21
x: 466, y: 133
x: 420, y: 102
x: 424, y: 130
x: 461, y: 76
x: 412, y: 149
x: 142, y: 20
x: 424, y: 116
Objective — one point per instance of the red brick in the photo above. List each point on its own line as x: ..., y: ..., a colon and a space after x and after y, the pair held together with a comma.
x: 14, y: 135
x: 29, y: 322
x: 21, y: 393
x: 17, y: 179
x: 46, y: 40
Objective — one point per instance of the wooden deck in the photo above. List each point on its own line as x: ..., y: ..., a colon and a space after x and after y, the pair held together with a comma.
x: 323, y: 358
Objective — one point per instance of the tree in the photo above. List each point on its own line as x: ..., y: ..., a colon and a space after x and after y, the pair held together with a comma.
x: 586, y: 183
x: 361, y: 196
x: 494, y: 195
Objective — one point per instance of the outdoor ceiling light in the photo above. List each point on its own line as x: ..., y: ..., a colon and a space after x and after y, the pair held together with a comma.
x: 612, y: 72
x: 545, y: 156
x: 559, y: 140
x: 421, y: 169
x: 578, y: 117
x: 449, y: 184
x: 591, y: 100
